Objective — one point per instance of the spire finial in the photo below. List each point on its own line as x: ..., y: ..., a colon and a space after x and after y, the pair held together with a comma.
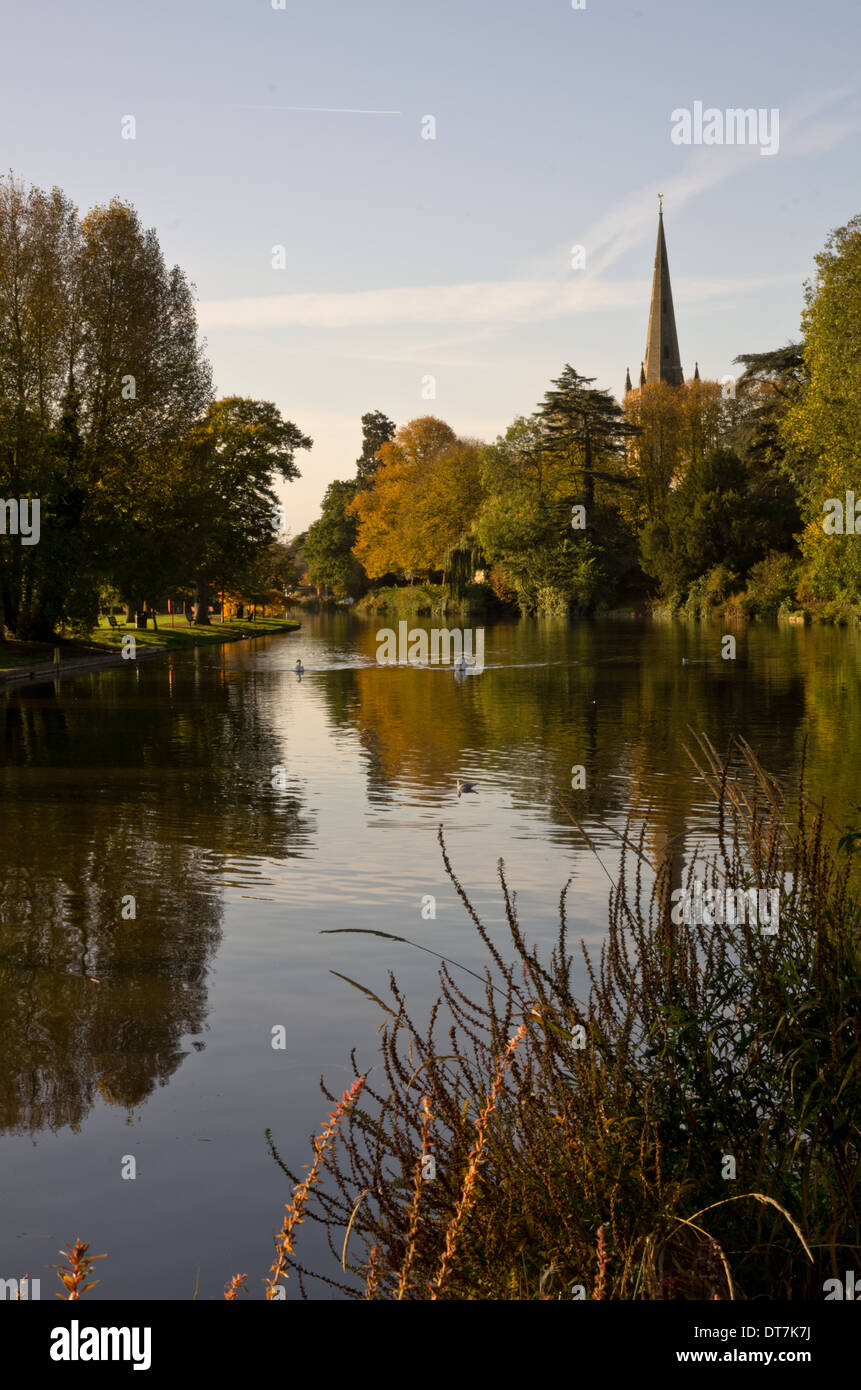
x: 660, y: 204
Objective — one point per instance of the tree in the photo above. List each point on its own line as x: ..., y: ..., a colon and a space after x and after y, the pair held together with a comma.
x: 397, y: 530
x: 586, y: 428
x: 721, y: 514
x: 144, y: 383
x: 329, y: 544
x: 656, y: 449
x: 524, y: 525
x: 38, y: 258
x: 230, y: 463
x: 377, y: 430
x: 821, y: 431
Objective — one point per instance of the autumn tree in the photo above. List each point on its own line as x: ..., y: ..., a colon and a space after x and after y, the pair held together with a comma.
x: 421, y: 506
x: 655, y: 454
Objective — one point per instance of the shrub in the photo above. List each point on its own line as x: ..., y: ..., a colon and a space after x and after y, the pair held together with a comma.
x: 771, y: 585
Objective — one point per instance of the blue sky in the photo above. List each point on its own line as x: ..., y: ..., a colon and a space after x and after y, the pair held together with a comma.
x: 408, y: 258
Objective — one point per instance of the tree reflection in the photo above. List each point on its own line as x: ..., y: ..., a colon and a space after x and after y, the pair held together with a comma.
x: 130, y: 783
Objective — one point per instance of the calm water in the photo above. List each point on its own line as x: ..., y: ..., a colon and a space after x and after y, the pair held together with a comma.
x: 157, y: 782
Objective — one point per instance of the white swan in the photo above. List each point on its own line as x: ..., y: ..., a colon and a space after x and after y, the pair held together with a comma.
x: 299, y: 667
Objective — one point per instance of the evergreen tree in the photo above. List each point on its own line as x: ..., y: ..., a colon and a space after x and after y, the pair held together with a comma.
x: 587, y: 428
x: 377, y: 430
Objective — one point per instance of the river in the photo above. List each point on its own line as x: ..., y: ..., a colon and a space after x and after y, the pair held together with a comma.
x: 177, y: 837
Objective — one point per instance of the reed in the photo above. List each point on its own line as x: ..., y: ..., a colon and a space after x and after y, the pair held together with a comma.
x: 302, y: 1190
x: 72, y: 1276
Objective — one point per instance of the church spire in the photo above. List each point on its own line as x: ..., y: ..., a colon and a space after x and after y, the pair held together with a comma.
x: 663, y: 362
x: 642, y: 375
x: 628, y: 386
x: 696, y: 371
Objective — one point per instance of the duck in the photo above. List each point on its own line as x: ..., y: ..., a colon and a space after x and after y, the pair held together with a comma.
x: 464, y: 786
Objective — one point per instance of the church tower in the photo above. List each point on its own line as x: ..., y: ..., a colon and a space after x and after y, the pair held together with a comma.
x: 663, y: 362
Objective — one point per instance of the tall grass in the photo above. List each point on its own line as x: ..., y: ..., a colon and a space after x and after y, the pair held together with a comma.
x: 581, y: 1145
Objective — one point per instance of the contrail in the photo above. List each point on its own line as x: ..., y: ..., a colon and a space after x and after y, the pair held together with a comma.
x: 340, y: 110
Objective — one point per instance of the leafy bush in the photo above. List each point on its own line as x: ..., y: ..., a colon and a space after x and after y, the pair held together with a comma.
x: 771, y: 585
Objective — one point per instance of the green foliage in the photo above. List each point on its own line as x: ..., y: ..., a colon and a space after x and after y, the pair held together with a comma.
x: 411, y: 601
x: 771, y: 585
x: 725, y: 512
x: 525, y: 523
x: 328, y: 546
x: 106, y: 416
x: 822, y: 430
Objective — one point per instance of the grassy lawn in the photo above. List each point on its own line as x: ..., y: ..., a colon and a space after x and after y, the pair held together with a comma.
x: 104, y: 640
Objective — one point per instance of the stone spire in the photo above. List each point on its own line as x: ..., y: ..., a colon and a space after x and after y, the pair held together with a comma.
x: 642, y: 375
x: 628, y: 386
x: 663, y: 362
x: 696, y: 371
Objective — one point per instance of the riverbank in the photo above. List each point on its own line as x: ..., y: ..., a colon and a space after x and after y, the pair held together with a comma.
x: 28, y: 663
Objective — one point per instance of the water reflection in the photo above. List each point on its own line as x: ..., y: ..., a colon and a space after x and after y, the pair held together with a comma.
x: 122, y: 799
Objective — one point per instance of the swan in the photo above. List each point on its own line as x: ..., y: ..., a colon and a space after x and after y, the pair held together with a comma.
x: 299, y: 667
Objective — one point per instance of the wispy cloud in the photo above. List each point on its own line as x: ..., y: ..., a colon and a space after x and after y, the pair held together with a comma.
x: 493, y: 301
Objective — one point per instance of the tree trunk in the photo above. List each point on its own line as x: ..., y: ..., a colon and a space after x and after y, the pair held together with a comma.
x: 201, y: 596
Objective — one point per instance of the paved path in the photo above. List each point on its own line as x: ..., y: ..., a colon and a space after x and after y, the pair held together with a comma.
x: 42, y: 671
